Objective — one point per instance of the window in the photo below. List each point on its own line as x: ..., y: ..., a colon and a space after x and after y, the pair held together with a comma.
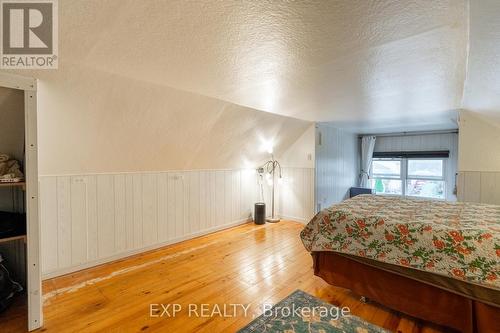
x: 415, y: 177
x: 386, y: 175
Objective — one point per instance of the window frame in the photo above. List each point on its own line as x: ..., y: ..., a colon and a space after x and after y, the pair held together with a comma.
x: 404, y: 177
x: 400, y: 178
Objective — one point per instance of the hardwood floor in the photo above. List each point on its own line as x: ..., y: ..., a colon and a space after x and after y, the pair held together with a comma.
x: 246, y: 264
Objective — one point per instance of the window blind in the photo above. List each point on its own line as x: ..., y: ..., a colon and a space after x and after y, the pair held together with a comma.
x: 413, y: 154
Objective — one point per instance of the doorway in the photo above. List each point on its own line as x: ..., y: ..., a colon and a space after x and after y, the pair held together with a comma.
x: 19, y: 185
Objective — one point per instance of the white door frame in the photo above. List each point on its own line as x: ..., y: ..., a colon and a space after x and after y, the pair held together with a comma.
x: 34, y: 279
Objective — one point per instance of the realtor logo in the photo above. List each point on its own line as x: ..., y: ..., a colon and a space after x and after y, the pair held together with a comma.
x: 29, y: 34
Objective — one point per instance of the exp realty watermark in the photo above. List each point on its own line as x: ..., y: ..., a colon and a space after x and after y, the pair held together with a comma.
x: 204, y: 310
x: 232, y: 310
x: 29, y: 33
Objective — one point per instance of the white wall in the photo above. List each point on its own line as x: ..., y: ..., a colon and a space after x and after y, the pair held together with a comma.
x: 426, y: 142
x: 301, y: 154
x: 91, y: 122
x: 479, y: 143
x: 89, y: 219
x: 92, y: 218
x: 337, y: 164
x: 479, y: 159
x: 296, y: 192
x: 127, y: 165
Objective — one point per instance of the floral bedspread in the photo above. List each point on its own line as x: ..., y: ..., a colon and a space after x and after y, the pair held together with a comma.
x: 457, y: 239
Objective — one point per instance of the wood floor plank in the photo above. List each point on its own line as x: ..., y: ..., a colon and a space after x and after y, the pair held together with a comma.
x: 248, y: 264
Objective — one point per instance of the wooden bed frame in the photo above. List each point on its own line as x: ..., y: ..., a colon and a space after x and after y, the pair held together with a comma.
x: 407, y: 295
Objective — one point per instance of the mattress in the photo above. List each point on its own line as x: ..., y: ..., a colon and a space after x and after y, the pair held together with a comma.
x: 409, y: 295
x: 473, y: 291
x: 457, y: 240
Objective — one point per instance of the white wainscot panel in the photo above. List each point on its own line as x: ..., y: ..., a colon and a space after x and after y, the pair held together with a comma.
x: 91, y: 219
x: 296, y: 194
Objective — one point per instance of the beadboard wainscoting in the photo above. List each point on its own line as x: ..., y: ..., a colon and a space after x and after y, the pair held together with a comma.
x: 479, y: 186
x: 95, y: 218
x: 90, y: 219
x: 296, y: 194
x: 337, y: 164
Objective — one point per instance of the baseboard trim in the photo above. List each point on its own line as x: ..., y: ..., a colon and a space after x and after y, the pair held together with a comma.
x: 129, y: 253
x: 295, y: 218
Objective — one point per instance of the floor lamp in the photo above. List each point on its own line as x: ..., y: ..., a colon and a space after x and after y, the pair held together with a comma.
x: 269, y: 169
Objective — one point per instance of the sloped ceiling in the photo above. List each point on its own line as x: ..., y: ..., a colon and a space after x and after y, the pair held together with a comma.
x: 371, y: 65
x: 380, y: 64
x: 93, y: 122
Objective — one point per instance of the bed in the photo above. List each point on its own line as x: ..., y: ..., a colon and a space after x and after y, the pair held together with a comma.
x: 435, y: 260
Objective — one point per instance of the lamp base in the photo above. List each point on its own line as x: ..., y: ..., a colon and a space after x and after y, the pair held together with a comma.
x: 273, y: 219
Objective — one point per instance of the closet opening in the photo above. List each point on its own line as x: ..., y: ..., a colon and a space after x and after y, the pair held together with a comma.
x: 20, y: 281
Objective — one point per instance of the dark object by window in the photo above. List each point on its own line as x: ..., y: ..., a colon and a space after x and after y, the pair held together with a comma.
x: 354, y: 191
x: 413, y: 154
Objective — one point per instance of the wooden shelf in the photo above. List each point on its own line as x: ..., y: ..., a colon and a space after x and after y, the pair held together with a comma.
x: 14, y: 184
x: 8, y: 239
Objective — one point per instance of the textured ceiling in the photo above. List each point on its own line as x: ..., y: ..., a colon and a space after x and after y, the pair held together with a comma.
x: 90, y: 121
x: 380, y: 63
